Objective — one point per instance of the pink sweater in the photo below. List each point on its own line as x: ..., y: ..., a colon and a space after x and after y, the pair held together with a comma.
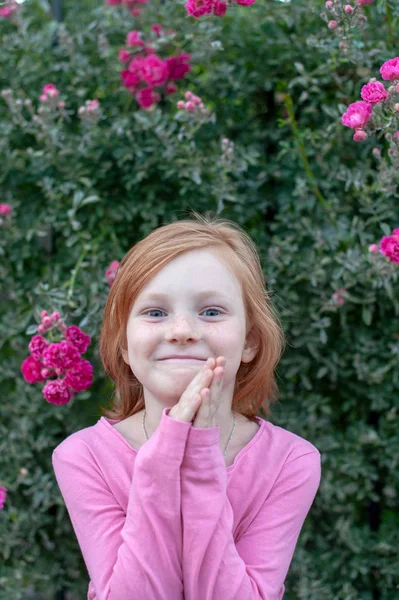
x: 171, y: 522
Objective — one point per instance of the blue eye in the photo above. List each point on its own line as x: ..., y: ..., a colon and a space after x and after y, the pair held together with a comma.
x: 214, y: 309
x: 154, y: 310
x: 157, y: 310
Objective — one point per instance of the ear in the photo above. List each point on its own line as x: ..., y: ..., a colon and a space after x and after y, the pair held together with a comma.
x: 125, y: 355
x: 251, y: 347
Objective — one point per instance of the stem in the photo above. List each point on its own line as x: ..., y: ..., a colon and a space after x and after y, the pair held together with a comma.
x: 75, y: 271
x: 301, y: 148
x: 389, y: 23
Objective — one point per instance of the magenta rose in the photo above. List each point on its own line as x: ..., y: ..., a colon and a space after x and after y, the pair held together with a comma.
x: 56, y: 392
x: 146, y: 97
x: 390, y: 69
x: 357, y: 115
x: 110, y: 273
x: 31, y: 370
x: 5, y: 209
x: 178, y: 66
x: 3, y: 496
x: 80, y: 377
x: 60, y: 355
x: 389, y: 245
x: 78, y: 338
x: 36, y: 346
x: 245, y: 2
x: 133, y: 39
x: 129, y: 79
x: 199, y: 8
x: 220, y: 9
x: 374, y: 92
x: 154, y: 70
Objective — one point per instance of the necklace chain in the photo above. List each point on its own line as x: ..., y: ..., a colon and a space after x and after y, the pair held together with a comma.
x: 228, y: 443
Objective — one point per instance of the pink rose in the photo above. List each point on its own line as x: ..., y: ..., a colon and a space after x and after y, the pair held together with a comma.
x: 110, y: 273
x: 124, y: 55
x: 80, y: 377
x: 390, y: 69
x: 56, y: 392
x: 36, y: 346
x: 245, y: 2
x: 357, y: 115
x: 60, y: 355
x: 31, y: 370
x: 171, y: 88
x: 146, y: 97
x: 3, y: 496
x: 360, y: 135
x: 154, y: 70
x: 374, y: 92
x: 220, y: 8
x: 332, y: 24
x: 178, y: 66
x: 133, y: 39
x: 157, y: 29
x: 49, y: 87
x: 129, y: 79
x: 113, y: 2
x: 199, y: 8
x: 363, y: 2
x: 78, y: 338
x: 373, y: 248
x: 389, y: 245
x: 5, y: 209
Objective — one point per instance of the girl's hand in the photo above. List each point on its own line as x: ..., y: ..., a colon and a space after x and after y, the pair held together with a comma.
x: 190, y: 400
x: 210, y: 396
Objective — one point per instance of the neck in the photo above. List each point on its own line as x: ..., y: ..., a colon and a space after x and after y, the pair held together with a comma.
x: 224, y: 420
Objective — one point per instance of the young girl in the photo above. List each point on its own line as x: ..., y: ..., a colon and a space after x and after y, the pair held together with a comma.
x: 182, y: 491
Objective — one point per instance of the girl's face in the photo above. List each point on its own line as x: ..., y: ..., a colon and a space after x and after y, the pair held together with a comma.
x: 194, y: 307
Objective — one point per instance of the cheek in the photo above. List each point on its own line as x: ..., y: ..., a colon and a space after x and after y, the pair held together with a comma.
x: 141, y: 336
x: 227, y: 339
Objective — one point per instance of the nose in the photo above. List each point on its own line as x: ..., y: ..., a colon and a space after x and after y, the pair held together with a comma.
x: 182, y: 329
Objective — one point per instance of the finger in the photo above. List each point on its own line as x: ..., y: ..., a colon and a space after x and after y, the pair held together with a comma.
x: 220, y: 361
x: 203, y: 377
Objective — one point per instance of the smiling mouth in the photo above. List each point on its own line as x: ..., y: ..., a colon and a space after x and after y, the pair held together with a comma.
x: 181, y: 360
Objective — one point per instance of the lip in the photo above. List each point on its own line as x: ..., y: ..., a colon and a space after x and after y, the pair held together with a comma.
x: 183, y: 358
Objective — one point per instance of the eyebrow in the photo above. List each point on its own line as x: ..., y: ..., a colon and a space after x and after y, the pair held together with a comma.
x: 205, y: 294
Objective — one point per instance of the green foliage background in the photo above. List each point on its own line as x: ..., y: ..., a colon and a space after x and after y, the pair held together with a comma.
x: 312, y: 199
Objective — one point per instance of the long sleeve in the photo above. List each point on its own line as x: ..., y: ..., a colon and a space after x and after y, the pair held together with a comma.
x: 255, y: 567
x: 137, y: 554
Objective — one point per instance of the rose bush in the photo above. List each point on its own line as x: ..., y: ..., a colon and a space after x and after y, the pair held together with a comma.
x: 268, y: 150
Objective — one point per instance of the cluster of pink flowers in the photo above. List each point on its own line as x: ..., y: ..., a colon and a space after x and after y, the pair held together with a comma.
x: 49, y: 99
x: 8, y: 9
x: 61, y: 360
x: 338, y: 297
x: 90, y: 112
x: 146, y: 70
x: 359, y: 113
x: 133, y: 5
x: 194, y: 103
x: 340, y: 12
x: 110, y: 273
x: 389, y: 246
x: 49, y: 92
x: 200, y: 8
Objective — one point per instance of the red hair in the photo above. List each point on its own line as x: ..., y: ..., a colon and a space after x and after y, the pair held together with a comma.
x: 255, y: 385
